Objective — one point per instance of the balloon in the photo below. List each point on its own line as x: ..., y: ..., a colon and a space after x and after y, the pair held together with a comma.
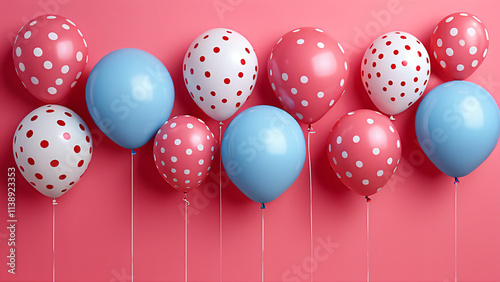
x: 52, y: 148
x: 263, y: 151
x: 308, y: 72
x: 220, y: 71
x: 50, y: 55
x: 457, y: 126
x: 459, y: 44
x: 183, y: 152
x: 364, y: 150
x: 395, y: 70
x: 130, y: 95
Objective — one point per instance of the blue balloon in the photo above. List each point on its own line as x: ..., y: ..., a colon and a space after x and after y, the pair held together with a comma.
x: 457, y: 125
x: 130, y: 95
x: 263, y: 152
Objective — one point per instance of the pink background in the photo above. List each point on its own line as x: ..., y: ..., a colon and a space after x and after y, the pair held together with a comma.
x: 412, y: 218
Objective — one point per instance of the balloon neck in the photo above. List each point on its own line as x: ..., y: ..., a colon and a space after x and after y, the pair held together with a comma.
x: 392, y: 118
x: 456, y: 181
x: 310, y: 129
x: 54, y: 202
x: 221, y: 123
x: 132, y: 152
x: 185, y: 198
x: 263, y: 206
x: 368, y: 199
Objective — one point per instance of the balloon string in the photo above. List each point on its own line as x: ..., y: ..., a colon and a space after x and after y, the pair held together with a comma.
x: 367, y: 239
x: 54, y: 203
x: 262, y: 241
x: 309, y: 131
x: 220, y: 203
x: 132, y: 153
x: 456, y: 194
x: 186, y: 204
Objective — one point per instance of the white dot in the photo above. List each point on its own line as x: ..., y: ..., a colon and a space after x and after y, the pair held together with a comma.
x: 175, y: 180
x: 65, y: 69
x: 189, y: 125
x: 473, y: 50
x: 299, y: 115
x: 485, y: 52
x: 52, y: 90
x: 339, y: 140
x: 380, y: 173
x: 186, y: 171
x: 304, y: 103
x: 449, y: 19
x: 47, y: 65
x: 177, y: 142
x: 359, y: 164
x: 435, y: 55
x: 200, y: 173
x: 162, y: 150
x: 65, y: 26
x: 365, y: 182
x: 293, y: 90
x: 376, y: 151
x: 342, y: 81
x: 297, y: 30
x: 443, y: 64
x: 200, y: 147
x: 300, y: 41
x: 439, y: 42
x: 389, y: 161
x: 391, y: 128
x: 398, y: 143
x: 460, y: 67
x: 435, y: 29
x: 304, y: 79
x: 474, y: 63
x: 453, y: 31
x: 189, y: 152
x: 318, y: 30
x: 173, y: 124
x: 212, y: 148
x: 22, y: 67
x: 380, y: 188
x: 71, y: 22
x: 164, y: 136
x: 284, y: 76
x: 173, y: 159
x: 34, y: 80
x: 321, y: 94
x: 461, y: 42
x: 59, y: 81
x: 345, y: 65
x: 355, y: 139
x: 79, y: 32
x: 270, y: 72
x: 273, y: 86
x: 321, y: 45
x: 33, y: 23
x: 394, y: 171
x: 201, y: 161
x: 53, y: 36
x: 51, y: 17
x: 338, y: 175
x: 19, y: 51
x: 331, y: 103
x: 471, y: 31
x: 476, y: 19
x: 344, y: 154
x: 73, y: 84
x: 340, y: 47
x: 334, y: 160
x: 79, y: 56
x: 369, y: 121
x: 86, y: 57
x: 37, y: 52
x: 464, y: 14
x: 348, y: 174
x: 27, y: 34
x: 449, y: 52
x: 163, y: 164
x: 329, y: 147
x: 486, y: 33
x: 78, y: 75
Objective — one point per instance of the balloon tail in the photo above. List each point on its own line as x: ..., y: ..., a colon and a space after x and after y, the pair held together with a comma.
x: 263, y: 206
x: 54, y: 203
x: 185, y: 198
x: 456, y: 194
x: 367, y: 239
x: 309, y: 131
x: 132, y: 153
x: 392, y: 118
x: 456, y: 180
x: 262, y: 241
x: 220, y: 202
x: 186, y: 204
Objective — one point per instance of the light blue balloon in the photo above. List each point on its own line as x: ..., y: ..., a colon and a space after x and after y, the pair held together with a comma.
x: 130, y: 95
x: 263, y: 151
x: 457, y: 126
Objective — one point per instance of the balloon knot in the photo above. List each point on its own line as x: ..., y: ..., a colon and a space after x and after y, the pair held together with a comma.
x: 221, y: 123
x: 310, y: 129
x: 185, y: 198
x: 368, y: 199
x: 132, y: 152
x: 456, y: 180
x: 263, y: 206
x: 54, y: 202
x: 392, y: 118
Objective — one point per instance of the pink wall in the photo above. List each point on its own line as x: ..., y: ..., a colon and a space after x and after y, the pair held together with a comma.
x: 412, y: 218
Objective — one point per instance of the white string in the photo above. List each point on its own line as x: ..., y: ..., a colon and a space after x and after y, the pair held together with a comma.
x: 310, y: 193
x: 220, y: 204
x: 132, y: 214
x: 456, y: 189
x: 54, y: 203
x: 186, y: 204
x: 367, y: 240
x: 262, y: 240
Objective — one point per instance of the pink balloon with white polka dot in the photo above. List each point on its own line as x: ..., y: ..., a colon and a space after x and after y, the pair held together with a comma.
x: 52, y: 148
x: 308, y: 72
x: 395, y: 70
x: 220, y: 70
x: 50, y: 55
x: 364, y: 150
x: 459, y: 44
x: 184, y: 149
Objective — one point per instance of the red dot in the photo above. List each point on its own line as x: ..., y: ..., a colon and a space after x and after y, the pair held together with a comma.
x: 33, y: 118
x: 225, y: 38
x: 21, y: 148
x: 247, y: 50
x: 239, y: 93
x: 421, y: 92
x: 403, y: 83
x: 251, y: 86
x: 381, y: 56
x: 62, y: 176
x: 254, y: 76
x: 82, y: 127
x: 384, y: 88
x: 21, y: 168
x: 404, y: 63
x: 378, y: 74
x: 90, y: 150
x: 71, y: 183
x: 384, y: 37
x: 186, y: 81
x: 212, y: 93
x: 240, y: 74
x: 369, y: 92
x: 77, y: 149
x: 393, y: 66
x: 216, y: 49
x: 374, y: 64
x: 393, y: 99
x: 407, y: 47
x: 409, y: 104
x: 366, y: 61
x: 38, y: 176
x: 362, y: 73
x: 228, y: 31
x: 61, y: 122
x: 418, y: 68
x: 238, y: 104
x: 388, y: 43
x: 428, y: 71
x: 369, y: 76
x: 49, y: 111
x: 68, y: 114
x: 66, y: 136
x: 224, y: 100
x: 395, y: 52
x: 31, y: 161
x: 80, y: 163
x: 15, y: 139
x: 243, y: 61
x: 213, y: 107
x: 205, y: 37
x: 198, y: 87
x: 403, y: 37
x: 416, y: 90
x: 33, y: 183
x: 191, y: 94
x: 390, y: 82
x: 415, y: 79
x: 207, y: 74
x: 44, y: 144
x: 202, y: 59
x: 21, y: 126
x: 64, y: 190
x: 16, y: 155
x: 49, y: 186
x: 227, y: 80
x: 256, y: 68
x: 87, y: 138
x: 29, y: 133
x: 419, y: 42
x: 195, y: 46
x: 189, y: 54
x: 202, y: 99
x: 419, y: 54
x: 425, y: 82
x: 191, y: 71
x: 374, y: 50
x: 370, y: 46
x: 184, y: 66
x: 427, y: 59
x: 402, y: 94
x: 366, y: 83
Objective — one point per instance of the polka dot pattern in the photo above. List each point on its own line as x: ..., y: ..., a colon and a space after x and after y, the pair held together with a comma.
x: 292, y: 73
x: 220, y: 71
x: 459, y: 43
x: 365, y: 147
x: 395, y: 70
x: 38, y: 53
x: 51, y: 150
x: 183, y: 152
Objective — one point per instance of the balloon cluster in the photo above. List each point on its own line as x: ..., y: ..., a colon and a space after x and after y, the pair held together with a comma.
x: 130, y: 97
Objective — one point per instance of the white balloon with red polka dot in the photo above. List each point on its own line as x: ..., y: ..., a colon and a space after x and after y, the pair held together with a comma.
x: 52, y: 148
x: 364, y: 150
x: 184, y: 149
x: 220, y: 70
x: 459, y: 44
x: 395, y: 71
x: 50, y: 55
